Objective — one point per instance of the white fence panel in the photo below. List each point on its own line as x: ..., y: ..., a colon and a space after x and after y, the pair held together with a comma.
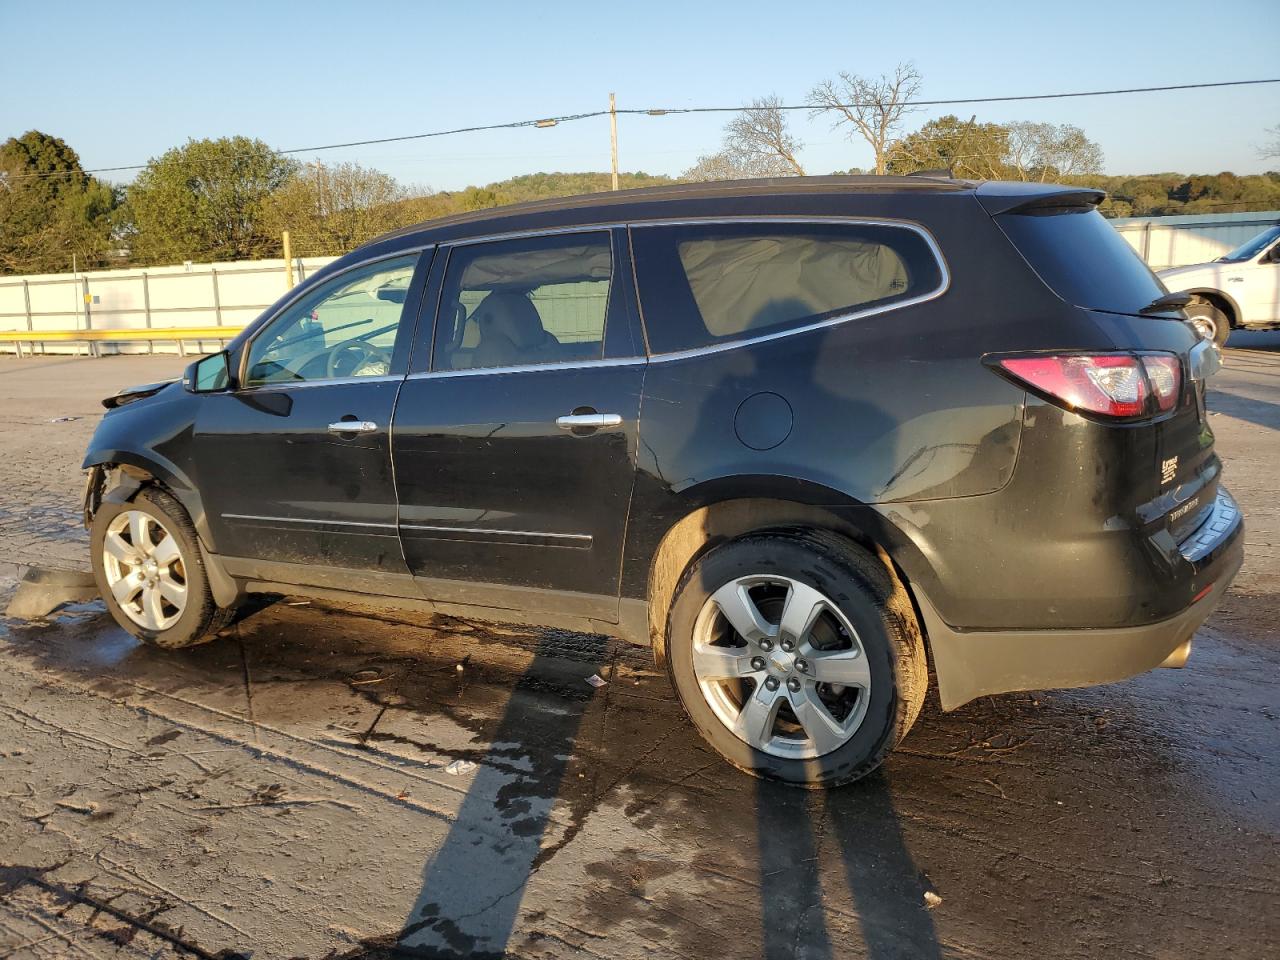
x: 1177, y: 241
x: 190, y: 295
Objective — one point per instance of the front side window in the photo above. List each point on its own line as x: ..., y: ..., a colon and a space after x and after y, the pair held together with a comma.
x: 344, y: 328
x: 706, y: 284
x: 526, y: 301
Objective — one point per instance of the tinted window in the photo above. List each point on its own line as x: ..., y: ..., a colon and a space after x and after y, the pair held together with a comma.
x: 707, y: 284
x: 344, y: 328
x: 1082, y: 258
x: 532, y: 300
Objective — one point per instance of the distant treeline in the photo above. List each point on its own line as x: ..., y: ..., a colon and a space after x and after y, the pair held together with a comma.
x: 231, y: 199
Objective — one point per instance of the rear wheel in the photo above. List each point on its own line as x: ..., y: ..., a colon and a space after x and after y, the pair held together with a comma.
x: 148, y: 567
x: 1211, y: 322
x: 796, y: 656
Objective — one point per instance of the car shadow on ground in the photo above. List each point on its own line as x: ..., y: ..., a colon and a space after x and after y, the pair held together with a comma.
x: 543, y: 760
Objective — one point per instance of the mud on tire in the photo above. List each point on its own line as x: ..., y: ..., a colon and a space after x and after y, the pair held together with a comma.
x: 150, y: 573
x: 861, y: 607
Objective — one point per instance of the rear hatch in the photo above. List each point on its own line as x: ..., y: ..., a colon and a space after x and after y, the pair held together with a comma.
x: 1085, y: 262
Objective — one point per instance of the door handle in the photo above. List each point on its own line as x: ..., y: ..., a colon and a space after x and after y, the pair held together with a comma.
x: 1235, y: 279
x: 594, y: 421
x: 353, y: 426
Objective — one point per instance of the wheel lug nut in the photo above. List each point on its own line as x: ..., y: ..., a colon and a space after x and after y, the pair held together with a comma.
x: 802, y: 665
x: 788, y: 645
x: 757, y: 663
x: 794, y: 684
x: 766, y: 645
x: 771, y: 683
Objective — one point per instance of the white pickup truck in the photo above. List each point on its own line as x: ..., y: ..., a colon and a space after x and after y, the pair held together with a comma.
x: 1239, y: 291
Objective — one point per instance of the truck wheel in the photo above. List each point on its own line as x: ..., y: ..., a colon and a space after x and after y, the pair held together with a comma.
x: 147, y: 563
x: 1211, y: 322
x: 797, y: 657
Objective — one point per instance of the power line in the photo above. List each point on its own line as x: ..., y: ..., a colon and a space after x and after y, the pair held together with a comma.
x: 672, y: 111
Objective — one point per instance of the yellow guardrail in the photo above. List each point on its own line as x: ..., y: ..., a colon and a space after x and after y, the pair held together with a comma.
x: 91, y: 338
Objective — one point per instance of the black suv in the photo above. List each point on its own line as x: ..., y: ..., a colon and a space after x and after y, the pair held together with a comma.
x: 791, y: 433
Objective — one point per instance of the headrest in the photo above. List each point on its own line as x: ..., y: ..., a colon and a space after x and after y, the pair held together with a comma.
x: 513, y: 316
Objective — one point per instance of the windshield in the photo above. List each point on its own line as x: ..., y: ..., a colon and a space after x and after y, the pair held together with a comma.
x: 1083, y: 259
x: 1250, y: 249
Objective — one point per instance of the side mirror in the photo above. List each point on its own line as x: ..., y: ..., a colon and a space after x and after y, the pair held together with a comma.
x: 210, y: 375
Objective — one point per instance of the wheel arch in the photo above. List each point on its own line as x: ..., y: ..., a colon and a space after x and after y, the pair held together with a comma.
x: 1220, y: 299
x: 136, y: 473
x: 709, y: 524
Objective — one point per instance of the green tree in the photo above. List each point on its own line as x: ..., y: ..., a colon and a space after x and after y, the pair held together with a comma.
x: 969, y: 149
x: 51, y: 212
x: 205, y: 201
x: 330, y: 209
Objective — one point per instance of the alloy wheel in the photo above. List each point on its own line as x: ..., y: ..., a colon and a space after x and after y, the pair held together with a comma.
x: 145, y: 570
x: 780, y: 666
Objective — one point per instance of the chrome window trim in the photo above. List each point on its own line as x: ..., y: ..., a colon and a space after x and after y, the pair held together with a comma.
x: 529, y: 368
x: 944, y: 285
x: 302, y: 290
x: 304, y: 384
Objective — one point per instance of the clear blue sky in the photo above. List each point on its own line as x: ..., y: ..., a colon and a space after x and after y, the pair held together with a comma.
x: 122, y: 82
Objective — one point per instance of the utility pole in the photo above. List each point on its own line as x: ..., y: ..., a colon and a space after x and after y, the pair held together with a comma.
x: 288, y: 259
x: 613, y: 136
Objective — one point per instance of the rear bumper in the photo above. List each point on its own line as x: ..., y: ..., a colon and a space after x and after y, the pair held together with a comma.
x: 973, y: 663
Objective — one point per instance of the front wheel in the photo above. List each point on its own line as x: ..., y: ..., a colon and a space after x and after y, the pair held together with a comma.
x: 148, y: 567
x: 797, y: 656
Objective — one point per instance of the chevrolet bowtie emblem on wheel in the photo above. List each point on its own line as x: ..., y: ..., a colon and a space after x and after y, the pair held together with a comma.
x: 1168, y: 470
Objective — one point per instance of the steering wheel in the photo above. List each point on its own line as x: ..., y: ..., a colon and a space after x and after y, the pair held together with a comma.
x: 363, y: 353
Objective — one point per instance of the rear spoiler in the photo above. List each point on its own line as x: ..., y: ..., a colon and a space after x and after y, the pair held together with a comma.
x: 997, y: 198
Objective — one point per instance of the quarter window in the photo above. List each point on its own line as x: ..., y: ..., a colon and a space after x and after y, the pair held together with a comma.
x: 702, y: 285
x: 344, y: 328
x: 531, y: 300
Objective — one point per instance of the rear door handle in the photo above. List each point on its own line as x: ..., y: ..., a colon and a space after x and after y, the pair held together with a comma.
x: 590, y: 420
x: 353, y: 426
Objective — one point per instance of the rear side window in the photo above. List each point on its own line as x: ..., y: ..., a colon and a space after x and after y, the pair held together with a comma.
x: 1082, y: 258
x: 518, y: 302
x: 707, y: 284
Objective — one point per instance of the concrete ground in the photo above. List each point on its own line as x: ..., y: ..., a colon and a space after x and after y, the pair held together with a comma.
x: 293, y: 789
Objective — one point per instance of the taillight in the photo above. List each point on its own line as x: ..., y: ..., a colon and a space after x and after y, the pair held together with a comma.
x: 1123, y: 385
x: 1164, y: 373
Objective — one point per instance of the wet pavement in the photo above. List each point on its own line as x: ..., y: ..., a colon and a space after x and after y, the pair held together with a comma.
x: 304, y: 786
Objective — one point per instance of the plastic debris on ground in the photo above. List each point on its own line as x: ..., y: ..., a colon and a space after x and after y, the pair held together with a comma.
x: 596, y: 680
x: 931, y: 899
x: 459, y: 767
x: 63, y: 419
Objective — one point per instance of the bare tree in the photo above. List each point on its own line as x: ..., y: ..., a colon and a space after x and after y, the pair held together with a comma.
x: 873, y: 108
x: 1271, y: 150
x: 756, y: 143
x: 1038, y: 151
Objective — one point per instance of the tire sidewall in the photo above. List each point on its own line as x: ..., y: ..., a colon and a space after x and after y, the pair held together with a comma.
x: 806, y: 562
x: 195, y: 616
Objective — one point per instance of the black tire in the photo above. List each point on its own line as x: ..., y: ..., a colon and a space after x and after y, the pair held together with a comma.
x: 1206, y: 312
x: 876, y: 606
x: 201, y: 618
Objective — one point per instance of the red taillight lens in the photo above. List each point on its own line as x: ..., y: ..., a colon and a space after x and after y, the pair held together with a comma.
x: 1164, y: 373
x: 1110, y: 384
